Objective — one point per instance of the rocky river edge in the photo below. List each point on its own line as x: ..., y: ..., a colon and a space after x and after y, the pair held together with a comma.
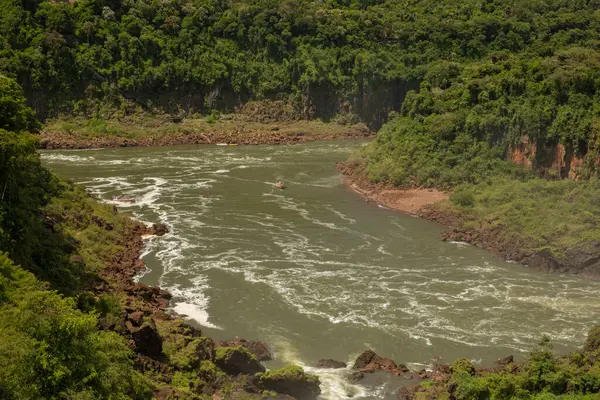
x: 175, y: 356
x: 271, y: 134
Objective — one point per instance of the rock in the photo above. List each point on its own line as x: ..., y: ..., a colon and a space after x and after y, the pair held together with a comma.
x: 292, y: 381
x: 329, y: 363
x: 237, y: 360
x: 364, y: 359
x: 159, y: 229
x: 259, y: 349
x: 356, y: 376
x: 136, y: 318
x: 505, y: 360
x: 147, y: 340
x: 406, y: 393
x: 205, y: 349
x: 368, y: 361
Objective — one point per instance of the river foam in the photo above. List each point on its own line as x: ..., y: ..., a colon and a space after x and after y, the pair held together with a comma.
x: 318, y: 273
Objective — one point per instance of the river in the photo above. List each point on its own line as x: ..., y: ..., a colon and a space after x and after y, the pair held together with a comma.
x: 317, y: 272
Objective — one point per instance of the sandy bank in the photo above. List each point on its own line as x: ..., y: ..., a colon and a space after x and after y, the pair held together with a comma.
x: 410, y: 201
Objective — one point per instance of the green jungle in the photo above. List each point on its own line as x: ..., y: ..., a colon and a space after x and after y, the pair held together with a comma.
x: 458, y: 91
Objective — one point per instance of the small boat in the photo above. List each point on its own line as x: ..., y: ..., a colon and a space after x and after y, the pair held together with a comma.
x: 280, y: 185
x: 124, y: 199
x: 222, y: 144
x: 233, y: 144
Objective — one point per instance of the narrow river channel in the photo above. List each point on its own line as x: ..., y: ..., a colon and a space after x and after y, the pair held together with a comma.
x: 317, y: 272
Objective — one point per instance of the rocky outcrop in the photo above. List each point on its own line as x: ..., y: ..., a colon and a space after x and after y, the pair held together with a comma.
x: 158, y: 229
x: 329, y: 363
x: 146, y: 338
x: 369, y: 361
x: 237, y: 360
x: 292, y: 381
x: 257, y: 348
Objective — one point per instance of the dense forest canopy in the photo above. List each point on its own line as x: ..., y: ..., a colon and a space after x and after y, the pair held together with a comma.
x: 325, y: 57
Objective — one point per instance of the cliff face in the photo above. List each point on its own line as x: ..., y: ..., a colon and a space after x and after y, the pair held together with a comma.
x: 555, y: 159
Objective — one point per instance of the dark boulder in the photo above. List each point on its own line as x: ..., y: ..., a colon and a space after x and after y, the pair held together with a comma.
x: 159, y: 229
x: 259, y: 349
x: 147, y: 340
x: 329, y: 363
x: 237, y: 360
x: 364, y: 359
x: 292, y: 381
x: 368, y: 361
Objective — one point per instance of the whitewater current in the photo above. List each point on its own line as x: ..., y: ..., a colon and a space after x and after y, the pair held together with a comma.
x: 317, y: 272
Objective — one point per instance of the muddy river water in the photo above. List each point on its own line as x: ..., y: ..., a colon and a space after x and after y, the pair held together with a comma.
x: 317, y: 272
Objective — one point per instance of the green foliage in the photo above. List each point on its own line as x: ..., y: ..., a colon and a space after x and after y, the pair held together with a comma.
x: 224, y: 353
x: 592, y: 343
x: 48, y: 349
x: 326, y: 58
x: 462, y: 365
x: 569, y: 221
x: 15, y: 116
x: 469, y: 387
x: 543, y: 376
x: 292, y: 372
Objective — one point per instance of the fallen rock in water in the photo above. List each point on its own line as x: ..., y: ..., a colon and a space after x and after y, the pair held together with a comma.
x: 369, y: 361
x: 259, y: 349
x: 158, y: 229
x: 329, y: 363
x: 237, y: 360
x: 356, y: 376
x: 364, y: 359
x: 292, y: 381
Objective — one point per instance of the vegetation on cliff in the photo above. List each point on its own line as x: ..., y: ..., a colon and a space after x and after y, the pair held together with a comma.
x: 48, y: 347
x: 73, y: 324
x: 523, y: 90
x: 542, y: 376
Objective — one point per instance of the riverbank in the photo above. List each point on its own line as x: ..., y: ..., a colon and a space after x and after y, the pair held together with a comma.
x: 505, y: 218
x: 146, y: 131
x: 175, y: 356
x: 410, y: 201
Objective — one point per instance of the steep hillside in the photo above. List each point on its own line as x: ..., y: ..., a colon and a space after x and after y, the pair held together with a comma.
x: 73, y: 323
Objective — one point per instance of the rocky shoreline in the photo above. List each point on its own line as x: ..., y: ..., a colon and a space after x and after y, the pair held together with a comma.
x: 166, y: 347
x: 429, y: 204
x: 272, y: 136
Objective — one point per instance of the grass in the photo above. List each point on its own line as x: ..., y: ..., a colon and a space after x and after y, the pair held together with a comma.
x: 555, y: 215
x: 147, y: 125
